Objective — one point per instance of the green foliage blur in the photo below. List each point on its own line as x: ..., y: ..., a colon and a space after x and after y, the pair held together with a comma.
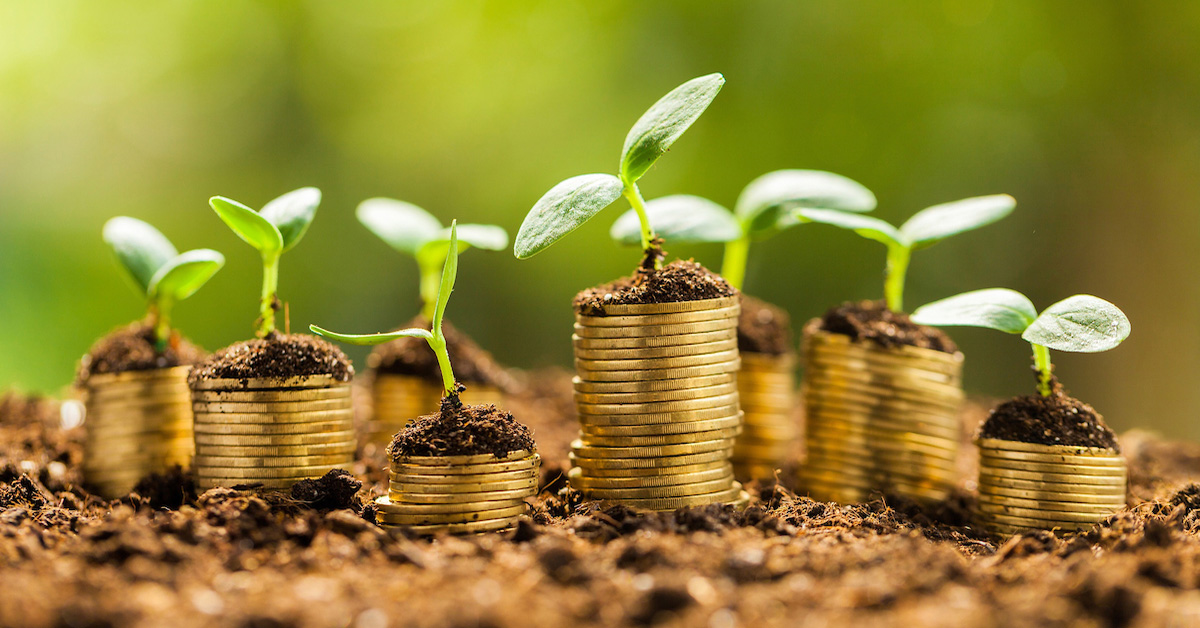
x: 1089, y: 114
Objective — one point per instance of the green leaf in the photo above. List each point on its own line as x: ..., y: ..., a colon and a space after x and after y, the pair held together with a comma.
x: 372, y: 339
x: 449, y: 276
x: 252, y: 228
x: 563, y: 209
x: 664, y: 122
x: 865, y: 226
x: 181, y: 277
x: 766, y: 202
x: 1082, y: 324
x: 403, y: 226
x: 994, y: 308
x: 933, y: 224
x: 292, y: 214
x: 140, y: 248
x: 488, y: 237
x: 680, y: 218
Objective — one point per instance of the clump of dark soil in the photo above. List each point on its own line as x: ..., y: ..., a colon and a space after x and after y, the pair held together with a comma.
x: 459, y: 430
x: 678, y: 281
x: 873, y: 321
x: 335, y: 490
x: 1055, y: 420
x: 132, y: 348
x: 763, y: 328
x: 413, y: 357
x: 169, y: 490
x: 277, y: 355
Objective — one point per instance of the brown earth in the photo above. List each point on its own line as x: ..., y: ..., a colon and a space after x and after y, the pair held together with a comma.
x: 678, y: 281
x: 412, y: 356
x: 1054, y: 420
x: 235, y: 558
x: 461, y: 430
x: 872, y: 320
x: 277, y: 355
x: 764, y: 328
x: 132, y: 348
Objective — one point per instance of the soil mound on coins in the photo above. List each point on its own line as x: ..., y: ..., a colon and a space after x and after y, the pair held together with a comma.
x: 277, y: 355
x: 1054, y: 420
x: 678, y: 281
x: 335, y: 490
x: 763, y: 328
x: 459, y: 430
x: 413, y: 357
x: 873, y: 321
x: 131, y: 348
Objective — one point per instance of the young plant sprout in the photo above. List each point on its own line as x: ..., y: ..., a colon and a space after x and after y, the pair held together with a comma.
x: 763, y: 209
x: 272, y: 231
x: 434, y: 336
x: 415, y: 232
x: 925, y: 228
x: 158, y: 272
x: 574, y: 201
x: 1081, y: 324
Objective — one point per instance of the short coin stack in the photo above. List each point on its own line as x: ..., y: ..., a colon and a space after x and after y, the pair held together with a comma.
x: 879, y: 418
x: 400, y: 399
x: 658, y: 406
x: 766, y: 391
x: 138, y: 423
x: 458, y: 494
x: 1029, y: 486
x: 272, y: 432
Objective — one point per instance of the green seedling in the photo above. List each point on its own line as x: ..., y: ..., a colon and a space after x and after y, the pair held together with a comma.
x: 764, y: 208
x: 434, y: 335
x: 272, y: 231
x: 926, y: 228
x: 157, y: 271
x: 415, y: 232
x: 1081, y: 324
x: 574, y: 201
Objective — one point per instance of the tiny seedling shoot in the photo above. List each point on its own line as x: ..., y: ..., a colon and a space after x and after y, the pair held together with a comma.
x: 158, y: 272
x: 574, y: 201
x: 763, y: 209
x: 925, y: 228
x: 272, y: 231
x: 434, y: 336
x: 1081, y: 324
x: 413, y: 231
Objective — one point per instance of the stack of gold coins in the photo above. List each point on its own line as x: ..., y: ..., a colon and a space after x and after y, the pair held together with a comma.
x: 879, y: 418
x: 400, y: 399
x: 271, y: 432
x: 657, y: 399
x: 1028, y: 486
x: 458, y: 494
x: 766, y: 391
x: 138, y: 423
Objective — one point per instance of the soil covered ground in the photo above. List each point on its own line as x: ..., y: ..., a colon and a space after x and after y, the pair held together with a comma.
x: 166, y: 555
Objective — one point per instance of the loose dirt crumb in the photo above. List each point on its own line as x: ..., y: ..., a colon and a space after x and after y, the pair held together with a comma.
x: 132, y: 348
x: 872, y: 320
x: 1054, y: 420
x: 678, y: 281
x: 412, y: 356
x: 335, y: 490
x: 459, y: 430
x: 277, y: 355
x: 764, y: 328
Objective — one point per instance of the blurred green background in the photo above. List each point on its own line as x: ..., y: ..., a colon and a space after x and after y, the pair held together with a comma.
x: 1089, y: 114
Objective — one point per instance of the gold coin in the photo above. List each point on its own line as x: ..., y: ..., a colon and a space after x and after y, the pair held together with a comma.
x: 869, y: 474
x: 830, y: 421
x: 447, y: 518
x: 628, y: 364
x: 402, y: 488
x: 466, y: 469
x: 523, y: 475
x: 1079, y: 496
x: 259, y: 418
x: 265, y: 472
x: 1056, y: 482
x: 1053, y: 459
x: 655, y: 330
x: 1039, y: 523
x: 661, y: 385
x: 767, y: 362
x: 820, y: 384
x: 760, y: 403
x: 203, y: 483
x: 1064, y: 469
x: 669, y: 308
x: 688, y: 416
x: 659, y: 492
x: 840, y: 344
x: 647, y: 342
x: 433, y: 501
x: 475, y: 527
x: 657, y: 396
x: 655, y: 451
x: 282, y: 429
x: 347, y: 447
x: 440, y: 461
x: 602, y: 465
x: 271, y: 396
x: 99, y: 380
x: 278, y: 407
x: 1010, y: 505
x: 898, y: 376
x: 707, y: 425
x: 722, y: 313
x: 852, y: 404
x: 674, y: 503
x: 243, y: 440
x: 658, y: 374
x: 886, y: 435
x: 649, y: 473
x: 660, y: 439
x: 142, y: 395
x: 654, y: 353
x: 883, y: 449
x: 269, y: 461
x: 269, y: 383
x: 687, y: 405
x: 776, y: 454
x: 392, y: 505
x: 577, y: 478
x: 1038, y: 448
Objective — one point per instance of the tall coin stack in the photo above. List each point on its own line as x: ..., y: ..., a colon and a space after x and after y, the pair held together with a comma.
x: 458, y: 494
x: 879, y: 418
x: 766, y: 391
x: 138, y: 423
x: 657, y: 399
x: 271, y: 431
x: 400, y: 399
x: 1028, y: 486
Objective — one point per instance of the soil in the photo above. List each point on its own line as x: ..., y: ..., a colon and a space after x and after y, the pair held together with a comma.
x: 132, y: 348
x: 335, y: 490
x: 277, y: 355
x: 1054, y: 420
x: 678, y: 281
x: 412, y: 356
x: 459, y: 430
x: 234, y: 558
x: 873, y: 321
x: 764, y: 328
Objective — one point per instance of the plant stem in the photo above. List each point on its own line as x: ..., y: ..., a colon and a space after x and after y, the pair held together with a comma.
x: 270, y: 287
x: 160, y: 317
x: 634, y: 196
x: 1041, y: 361
x: 893, y: 282
x: 431, y: 279
x: 733, y: 266
x: 438, y: 344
